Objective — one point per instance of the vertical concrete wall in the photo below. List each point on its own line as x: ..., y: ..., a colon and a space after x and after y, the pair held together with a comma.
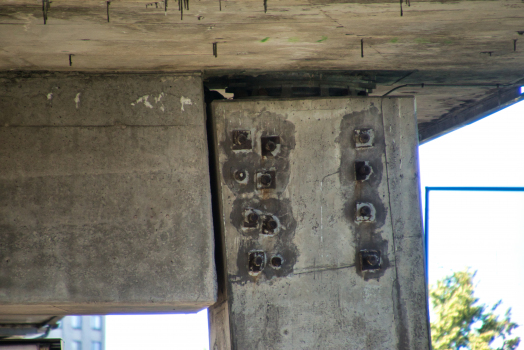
x: 104, y: 194
x: 300, y: 273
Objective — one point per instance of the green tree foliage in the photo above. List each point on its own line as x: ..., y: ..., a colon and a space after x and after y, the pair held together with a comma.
x: 462, y: 323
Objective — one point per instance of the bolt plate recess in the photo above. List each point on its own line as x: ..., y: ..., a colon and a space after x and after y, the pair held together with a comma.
x: 370, y: 260
x: 241, y: 140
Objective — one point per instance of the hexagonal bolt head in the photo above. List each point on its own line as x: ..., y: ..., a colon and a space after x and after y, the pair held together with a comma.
x: 252, y: 218
x: 265, y: 180
x: 240, y: 175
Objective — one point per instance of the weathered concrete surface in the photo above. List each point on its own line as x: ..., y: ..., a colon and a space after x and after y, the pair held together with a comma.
x: 449, y: 36
x: 104, y: 195
x: 320, y: 298
x: 439, y: 42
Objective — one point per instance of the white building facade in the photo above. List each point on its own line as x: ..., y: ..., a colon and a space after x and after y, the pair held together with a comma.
x: 81, y: 332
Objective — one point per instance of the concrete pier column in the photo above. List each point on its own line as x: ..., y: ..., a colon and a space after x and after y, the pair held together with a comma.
x: 320, y: 224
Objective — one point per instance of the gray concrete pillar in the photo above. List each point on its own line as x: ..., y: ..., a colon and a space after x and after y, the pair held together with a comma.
x: 321, y: 226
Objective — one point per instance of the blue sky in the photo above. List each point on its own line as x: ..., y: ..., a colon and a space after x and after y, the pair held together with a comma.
x: 480, y: 231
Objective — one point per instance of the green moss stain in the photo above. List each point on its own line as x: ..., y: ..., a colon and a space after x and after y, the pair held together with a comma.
x: 448, y: 42
x: 394, y: 40
x: 264, y: 40
x: 422, y: 41
x: 293, y: 39
x: 324, y: 38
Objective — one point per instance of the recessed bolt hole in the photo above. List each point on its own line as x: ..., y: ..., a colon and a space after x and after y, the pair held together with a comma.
x: 365, y: 211
x: 364, y: 138
x: 271, y: 146
x: 252, y: 218
x: 364, y: 170
x: 241, y: 139
x: 256, y: 261
x: 270, y: 225
x: 276, y: 261
x: 266, y: 179
x: 370, y: 260
x: 240, y: 175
